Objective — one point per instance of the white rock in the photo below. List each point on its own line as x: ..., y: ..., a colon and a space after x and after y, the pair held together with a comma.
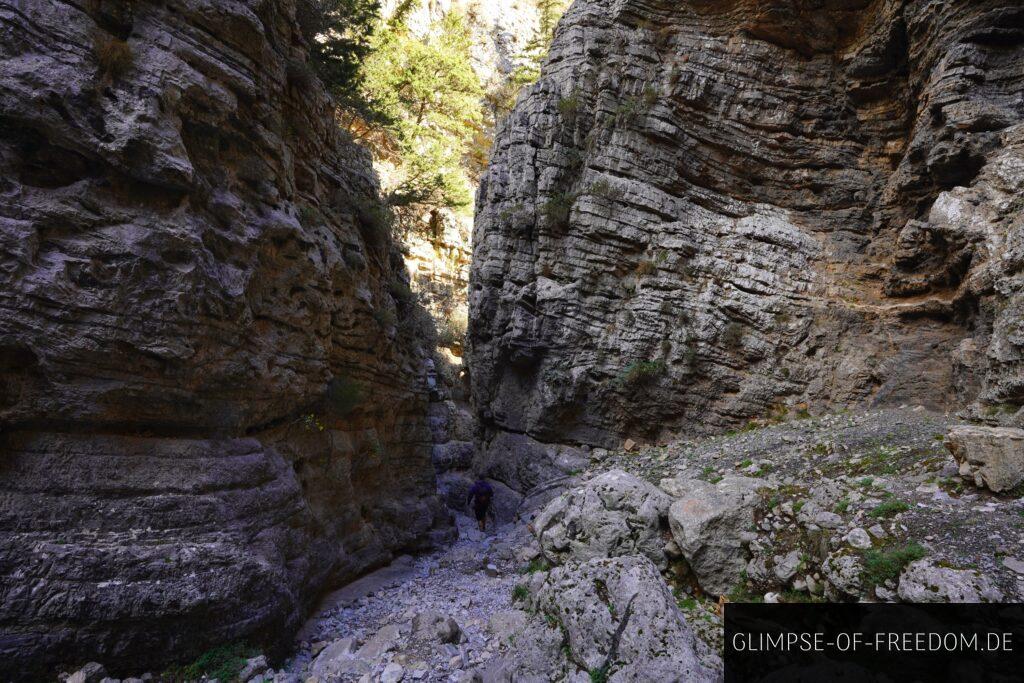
x: 858, y: 538
x: 923, y: 581
x: 706, y: 522
x: 393, y: 673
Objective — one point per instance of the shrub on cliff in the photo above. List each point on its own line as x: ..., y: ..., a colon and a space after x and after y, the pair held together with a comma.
x: 113, y: 55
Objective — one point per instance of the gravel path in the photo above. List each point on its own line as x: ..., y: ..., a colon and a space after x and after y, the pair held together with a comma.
x: 470, y: 581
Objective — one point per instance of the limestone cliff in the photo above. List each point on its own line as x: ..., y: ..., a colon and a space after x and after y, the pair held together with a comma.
x: 212, y: 392
x: 707, y: 212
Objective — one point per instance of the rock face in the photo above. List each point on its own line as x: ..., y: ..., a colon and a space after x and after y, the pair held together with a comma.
x: 706, y: 210
x: 989, y: 456
x: 212, y: 396
x: 613, y: 514
x: 614, y: 616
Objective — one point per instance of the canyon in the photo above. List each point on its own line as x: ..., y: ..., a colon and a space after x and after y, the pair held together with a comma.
x: 739, y: 251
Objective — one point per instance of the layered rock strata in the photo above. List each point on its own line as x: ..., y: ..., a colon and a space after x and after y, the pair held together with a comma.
x: 708, y: 212
x: 212, y: 392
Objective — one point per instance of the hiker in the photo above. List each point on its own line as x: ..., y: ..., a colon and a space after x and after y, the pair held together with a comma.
x: 480, y: 496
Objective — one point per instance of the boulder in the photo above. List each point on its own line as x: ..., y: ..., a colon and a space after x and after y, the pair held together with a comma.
x: 454, y: 455
x: 393, y: 673
x: 924, y: 581
x: 503, y: 625
x: 707, y: 522
x: 842, y: 572
x: 93, y: 672
x: 436, y: 627
x: 613, y: 615
x: 613, y: 514
x: 337, y: 659
x: 253, y: 666
x: 990, y: 457
x: 385, y: 640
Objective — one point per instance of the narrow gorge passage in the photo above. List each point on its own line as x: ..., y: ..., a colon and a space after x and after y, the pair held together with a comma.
x: 724, y: 301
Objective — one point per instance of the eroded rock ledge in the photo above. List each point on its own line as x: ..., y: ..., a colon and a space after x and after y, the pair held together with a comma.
x: 212, y: 393
x: 707, y: 211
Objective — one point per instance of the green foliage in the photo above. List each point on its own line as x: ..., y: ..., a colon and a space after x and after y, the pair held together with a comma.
x: 223, y: 663
x: 451, y: 331
x: 536, y: 52
x: 537, y: 564
x: 340, y: 37
x: 113, y: 55
x: 599, y: 675
x: 427, y: 91
x: 687, y: 603
x: 519, y: 593
x: 641, y: 372
x: 569, y: 106
x: 557, y: 209
x: 884, y: 565
x: 842, y: 506
x: 889, y: 508
x: 375, y: 222
x: 742, y: 593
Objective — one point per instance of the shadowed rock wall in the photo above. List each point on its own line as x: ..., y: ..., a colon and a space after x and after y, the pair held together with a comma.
x: 706, y: 211
x: 212, y: 392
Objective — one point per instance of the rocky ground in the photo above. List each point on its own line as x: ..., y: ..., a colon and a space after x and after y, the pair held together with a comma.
x: 851, y: 484
x: 435, y: 618
x: 623, y: 576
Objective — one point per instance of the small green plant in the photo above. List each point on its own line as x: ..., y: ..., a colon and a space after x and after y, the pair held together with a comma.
x: 799, y: 505
x: 889, y: 508
x: 842, y: 506
x: 569, y: 106
x: 641, y: 372
x: 732, y: 336
x: 312, y: 423
x: 113, y: 55
x: 745, y: 463
x: 885, y: 565
x: 537, y: 564
x: 558, y: 208
x: 741, y: 593
x: 604, y: 189
x: 599, y: 675
x: 866, y: 482
x: 223, y: 663
x: 519, y: 593
x: 687, y: 603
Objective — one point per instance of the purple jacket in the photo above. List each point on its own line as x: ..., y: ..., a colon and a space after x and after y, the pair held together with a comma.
x: 480, y: 493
